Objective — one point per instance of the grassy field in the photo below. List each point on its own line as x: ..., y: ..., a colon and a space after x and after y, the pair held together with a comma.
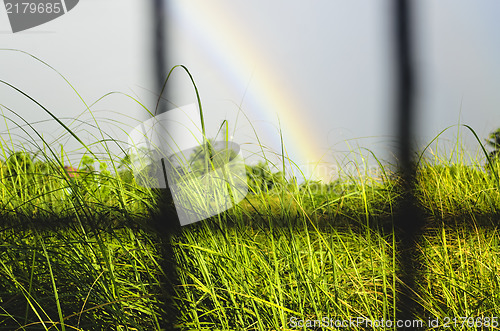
x: 93, y: 250
x: 88, y: 252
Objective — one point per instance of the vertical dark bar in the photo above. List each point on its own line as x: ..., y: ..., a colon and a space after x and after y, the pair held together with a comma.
x: 404, y: 82
x: 165, y: 222
x: 408, y: 222
x: 159, y: 11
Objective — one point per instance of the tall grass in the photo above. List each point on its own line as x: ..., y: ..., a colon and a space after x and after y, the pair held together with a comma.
x: 322, y: 250
x: 76, y: 251
x: 458, y: 185
x: 460, y: 275
x: 289, y: 253
x: 79, y: 251
x: 251, y: 279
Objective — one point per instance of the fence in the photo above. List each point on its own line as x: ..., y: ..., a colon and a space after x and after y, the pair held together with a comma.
x: 409, y: 223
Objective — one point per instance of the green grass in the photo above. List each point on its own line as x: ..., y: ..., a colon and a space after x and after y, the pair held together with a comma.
x: 67, y: 280
x: 90, y: 252
x: 460, y: 272
x: 238, y: 278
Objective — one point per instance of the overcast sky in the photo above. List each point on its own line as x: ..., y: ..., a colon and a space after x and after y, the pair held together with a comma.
x: 320, y: 70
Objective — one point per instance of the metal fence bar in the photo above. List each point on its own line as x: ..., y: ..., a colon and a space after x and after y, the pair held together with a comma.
x: 408, y: 222
x: 159, y: 53
x: 165, y: 223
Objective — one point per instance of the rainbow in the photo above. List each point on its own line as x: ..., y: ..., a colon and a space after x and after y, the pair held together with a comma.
x: 228, y: 45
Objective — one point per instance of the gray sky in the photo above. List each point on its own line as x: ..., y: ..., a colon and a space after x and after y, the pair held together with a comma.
x: 322, y: 67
